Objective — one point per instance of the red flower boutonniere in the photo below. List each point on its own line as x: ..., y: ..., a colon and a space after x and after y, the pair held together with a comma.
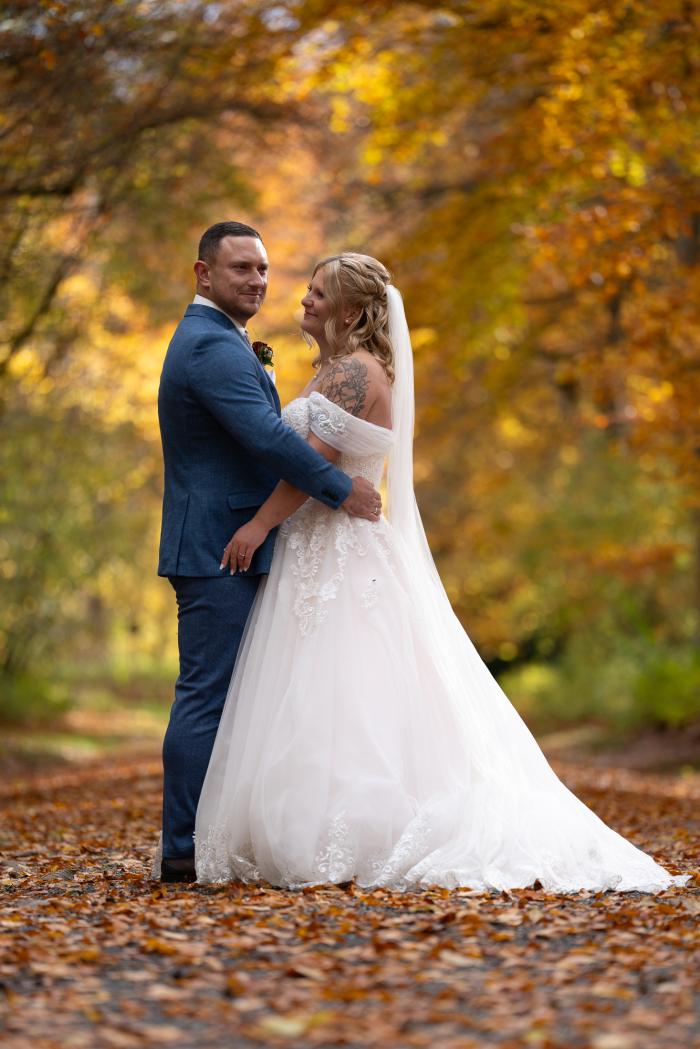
x: 263, y: 352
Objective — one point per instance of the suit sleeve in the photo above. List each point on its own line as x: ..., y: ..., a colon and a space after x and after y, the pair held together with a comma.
x: 224, y: 377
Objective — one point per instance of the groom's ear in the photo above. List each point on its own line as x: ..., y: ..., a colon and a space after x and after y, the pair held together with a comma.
x: 201, y: 272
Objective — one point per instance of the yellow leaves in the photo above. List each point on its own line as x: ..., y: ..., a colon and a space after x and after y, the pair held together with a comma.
x: 657, y: 394
x: 569, y: 455
x: 115, y: 373
x: 373, y: 156
x: 513, y: 431
x: 27, y: 366
x: 626, y: 164
x: 340, y: 114
x: 422, y: 338
x: 571, y: 92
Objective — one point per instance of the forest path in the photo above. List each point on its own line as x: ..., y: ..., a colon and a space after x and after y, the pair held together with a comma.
x: 93, y: 954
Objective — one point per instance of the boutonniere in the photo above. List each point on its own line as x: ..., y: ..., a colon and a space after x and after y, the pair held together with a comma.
x: 263, y: 352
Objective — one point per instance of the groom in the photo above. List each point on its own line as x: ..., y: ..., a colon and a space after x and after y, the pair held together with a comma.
x: 225, y: 448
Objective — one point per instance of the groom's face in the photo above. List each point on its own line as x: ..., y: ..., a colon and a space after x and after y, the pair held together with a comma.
x: 236, y: 278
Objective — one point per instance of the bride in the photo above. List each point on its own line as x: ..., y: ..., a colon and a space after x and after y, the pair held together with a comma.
x: 363, y: 737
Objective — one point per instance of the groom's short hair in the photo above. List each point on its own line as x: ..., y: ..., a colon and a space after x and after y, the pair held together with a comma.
x: 209, y: 244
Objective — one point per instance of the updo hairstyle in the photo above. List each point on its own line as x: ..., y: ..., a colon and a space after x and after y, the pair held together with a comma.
x: 357, y: 282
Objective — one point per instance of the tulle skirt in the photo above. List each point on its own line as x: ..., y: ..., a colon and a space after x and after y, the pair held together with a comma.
x: 364, y: 738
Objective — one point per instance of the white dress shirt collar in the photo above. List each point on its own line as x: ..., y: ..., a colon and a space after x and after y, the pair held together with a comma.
x: 201, y: 300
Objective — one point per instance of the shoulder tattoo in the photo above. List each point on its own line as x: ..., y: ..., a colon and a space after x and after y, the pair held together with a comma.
x: 347, y: 385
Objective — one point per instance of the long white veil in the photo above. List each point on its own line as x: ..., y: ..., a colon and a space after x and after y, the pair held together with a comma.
x: 500, y: 743
x: 402, y: 506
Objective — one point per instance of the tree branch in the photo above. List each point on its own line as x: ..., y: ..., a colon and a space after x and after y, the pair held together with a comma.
x: 18, y: 340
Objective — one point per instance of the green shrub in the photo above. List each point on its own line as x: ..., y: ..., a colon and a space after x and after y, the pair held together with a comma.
x: 626, y: 685
x: 667, y: 691
x: 31, y: 701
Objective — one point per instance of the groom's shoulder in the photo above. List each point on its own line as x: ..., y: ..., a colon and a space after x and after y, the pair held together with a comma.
x: 202, y: 349
x: 201, y: 319
x: 196, y: 329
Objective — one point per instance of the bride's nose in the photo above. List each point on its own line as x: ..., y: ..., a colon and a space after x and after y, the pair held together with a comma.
x: 307, y: 301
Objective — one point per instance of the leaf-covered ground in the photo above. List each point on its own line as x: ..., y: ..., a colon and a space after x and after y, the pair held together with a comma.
x: 93, y: 954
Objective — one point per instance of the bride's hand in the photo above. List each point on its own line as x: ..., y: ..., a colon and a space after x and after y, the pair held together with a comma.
x: 240, y: 548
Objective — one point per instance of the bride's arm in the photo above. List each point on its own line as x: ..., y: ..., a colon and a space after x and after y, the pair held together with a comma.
x: 358, y: 385
x: 279, y: 505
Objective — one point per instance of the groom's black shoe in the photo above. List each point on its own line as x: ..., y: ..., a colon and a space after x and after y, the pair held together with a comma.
x: 177, y: 870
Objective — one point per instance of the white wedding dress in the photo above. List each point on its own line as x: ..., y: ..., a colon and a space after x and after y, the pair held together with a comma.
x: 364, y: 738
x: 352, y: 745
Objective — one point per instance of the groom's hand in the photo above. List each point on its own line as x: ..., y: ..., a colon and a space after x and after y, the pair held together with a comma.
x: 364, y: 500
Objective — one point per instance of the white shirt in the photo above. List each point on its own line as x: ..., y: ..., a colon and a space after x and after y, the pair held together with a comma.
x: 200, y: 300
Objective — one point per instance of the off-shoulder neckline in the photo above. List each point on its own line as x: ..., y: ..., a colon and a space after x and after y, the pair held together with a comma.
x: 364, y: 422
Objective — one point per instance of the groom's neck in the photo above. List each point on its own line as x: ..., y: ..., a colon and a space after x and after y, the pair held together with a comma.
x: 241, y: 322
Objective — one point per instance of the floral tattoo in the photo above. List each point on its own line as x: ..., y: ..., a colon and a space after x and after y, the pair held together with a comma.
x: 347, y: 384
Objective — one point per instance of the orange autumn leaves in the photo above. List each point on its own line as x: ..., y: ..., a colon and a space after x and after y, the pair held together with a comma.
x: 94, y: 952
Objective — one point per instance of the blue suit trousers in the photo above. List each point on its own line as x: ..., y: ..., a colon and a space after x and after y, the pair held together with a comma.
x: 212, y: 614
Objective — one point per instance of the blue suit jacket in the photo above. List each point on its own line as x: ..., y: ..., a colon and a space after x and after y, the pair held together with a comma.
x: 224, y: 446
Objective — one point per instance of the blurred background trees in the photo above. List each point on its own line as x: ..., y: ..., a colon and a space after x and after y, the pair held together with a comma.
x: 529, y: 174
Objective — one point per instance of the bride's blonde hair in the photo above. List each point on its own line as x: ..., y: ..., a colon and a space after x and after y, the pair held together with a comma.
x: 355, y: 281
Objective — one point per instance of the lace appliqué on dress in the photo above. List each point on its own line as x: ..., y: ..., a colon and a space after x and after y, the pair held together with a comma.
x: 330, y: 423
x: 390, y: 870
x: 336, y: 861
x: 296, y: 415
x: 309, y: 536
x: 370, y: 595
x: 217, y: 864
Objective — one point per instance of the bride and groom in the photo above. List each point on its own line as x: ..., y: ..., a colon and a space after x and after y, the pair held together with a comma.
x: 359, y: 736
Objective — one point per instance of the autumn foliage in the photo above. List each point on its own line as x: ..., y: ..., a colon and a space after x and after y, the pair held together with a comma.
x: 531, y: 177
x: 92, y: 953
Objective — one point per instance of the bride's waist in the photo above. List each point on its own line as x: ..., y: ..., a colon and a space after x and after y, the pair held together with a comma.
x: 369, y: 466
x: 315, y: 519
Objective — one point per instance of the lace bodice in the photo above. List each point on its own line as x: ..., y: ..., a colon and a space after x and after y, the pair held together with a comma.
x: 363, y: 445
x: 321, y: 540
